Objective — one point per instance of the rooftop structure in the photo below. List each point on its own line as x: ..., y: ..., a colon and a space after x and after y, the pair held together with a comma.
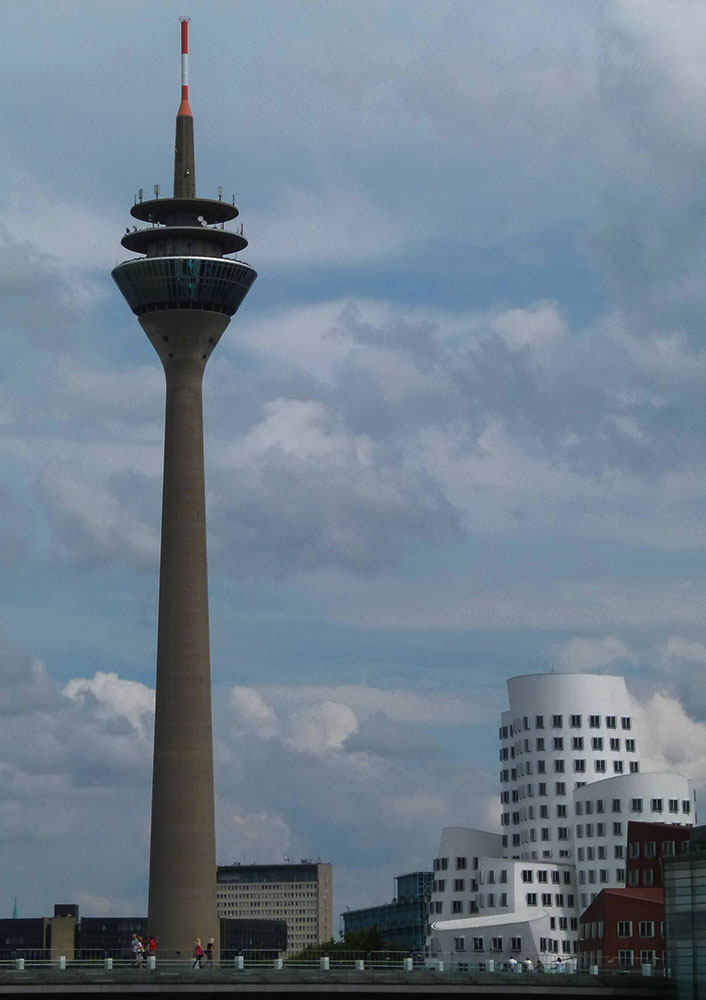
x: 183, y: 291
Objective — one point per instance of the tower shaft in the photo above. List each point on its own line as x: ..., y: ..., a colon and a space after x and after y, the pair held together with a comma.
x: 182, y: 902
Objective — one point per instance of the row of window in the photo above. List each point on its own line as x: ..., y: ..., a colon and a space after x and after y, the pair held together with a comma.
x: 600, y: 766
x: 601, y: 851
x: 542, y: 875
x: 496, y: 944
x: 557, y: 722
x: 646, y: 877
x: 442, y: 864
x: 602, y: 875
x: 557, y: 743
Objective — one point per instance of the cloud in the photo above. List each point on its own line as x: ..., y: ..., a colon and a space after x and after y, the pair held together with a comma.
x: 671, y: 739
x: 588, y: 654
x: 304, y: 492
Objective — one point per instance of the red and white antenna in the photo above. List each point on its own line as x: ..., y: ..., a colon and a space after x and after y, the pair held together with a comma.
x: 184, y: 107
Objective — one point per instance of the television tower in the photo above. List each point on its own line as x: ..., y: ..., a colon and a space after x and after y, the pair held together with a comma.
x: 183, y: 291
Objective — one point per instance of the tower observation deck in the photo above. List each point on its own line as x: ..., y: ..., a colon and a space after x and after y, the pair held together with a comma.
x: 183, y: 290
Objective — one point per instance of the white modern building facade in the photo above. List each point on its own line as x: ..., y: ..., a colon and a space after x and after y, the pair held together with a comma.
x: 570, y: 780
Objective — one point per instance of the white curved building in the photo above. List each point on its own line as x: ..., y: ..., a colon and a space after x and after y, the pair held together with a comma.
x: 560, y: 732
x: 570, y: 781
x: 602, y: 811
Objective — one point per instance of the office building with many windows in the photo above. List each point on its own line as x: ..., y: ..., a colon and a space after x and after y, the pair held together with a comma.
x: 301, y: 894
x: 570, y: 781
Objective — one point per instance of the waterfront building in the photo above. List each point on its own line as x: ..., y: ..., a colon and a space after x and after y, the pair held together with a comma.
x: 570, y: 782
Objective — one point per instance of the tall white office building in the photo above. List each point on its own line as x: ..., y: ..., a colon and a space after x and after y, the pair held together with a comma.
x: 570, y: 780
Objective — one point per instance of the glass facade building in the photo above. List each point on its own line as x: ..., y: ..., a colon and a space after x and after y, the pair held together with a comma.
x: 685, y: 918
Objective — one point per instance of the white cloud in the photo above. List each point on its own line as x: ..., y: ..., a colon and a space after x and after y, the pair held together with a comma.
x: 589, y: 654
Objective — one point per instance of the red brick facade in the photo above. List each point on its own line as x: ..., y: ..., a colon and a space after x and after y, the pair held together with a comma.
x: 648, y: 843
x: 623, y: 928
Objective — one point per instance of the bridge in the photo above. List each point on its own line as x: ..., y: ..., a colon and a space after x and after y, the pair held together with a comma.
x: 109, y: 977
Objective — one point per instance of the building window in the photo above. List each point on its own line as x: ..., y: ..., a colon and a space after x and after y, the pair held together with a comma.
x: 647, y: 928
x: 686, y: 806
x: 457, y: 906
x: 579, y: 831
x: 600, y: 806
x: 599, y: 766
x: 625, y: 723
x: 579, y: 765
x: 578, y: 808
x: 496, y: 944
x: 625, y: 959
x: 620, y: 875
x: 597, y: 743
x: 545, y: 835
x: 459, y: 944
x: 651, y: 849
x: 617, y: 767
x: 542, y: 875
x: 557, y: 721
x: 478, y: 944
x: 516, y: 944
x: 594, y: 721
x: 634, y: 766
x: 544, y: 812
x: 559, y: 900
x: 539, y: 722
x: 546, y: 899
x: 630, y: 746
x: 459, y: 884
x: 441, y: 885
x: 617, y: 807
x: 648, y: 877
x: 558, y: 743
x: 539, y: 744
x: 618, y: 849
x: 615, y: 743
x: 531, y: 898
x: 560, y: 788
x: 624, y: 928
x: 561, y: 811
x: 575, y: 721
x: 577, y: 743
x: 503, y: 899
x: 563, y: 833
x: 633, y: 879
x: 636, y: 805
x: 603, y: 875
x: 542, y: 788
x: 668, y: 848
x: 527, y: 875
x: 610, y: 721
x: 461, y: 863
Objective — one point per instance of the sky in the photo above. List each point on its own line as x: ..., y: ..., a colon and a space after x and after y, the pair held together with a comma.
x: 455, y: 433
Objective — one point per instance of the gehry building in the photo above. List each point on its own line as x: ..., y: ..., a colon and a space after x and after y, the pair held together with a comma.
x: 570, y: 781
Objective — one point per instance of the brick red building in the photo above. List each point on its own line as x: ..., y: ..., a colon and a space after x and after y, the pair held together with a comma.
x: 623, y: 928
x: 648, y: 843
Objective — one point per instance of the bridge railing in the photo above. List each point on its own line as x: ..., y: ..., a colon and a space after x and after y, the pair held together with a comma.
x: 97, y: 960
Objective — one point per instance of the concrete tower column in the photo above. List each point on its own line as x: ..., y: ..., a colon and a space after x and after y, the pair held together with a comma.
x: 183, y: 829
